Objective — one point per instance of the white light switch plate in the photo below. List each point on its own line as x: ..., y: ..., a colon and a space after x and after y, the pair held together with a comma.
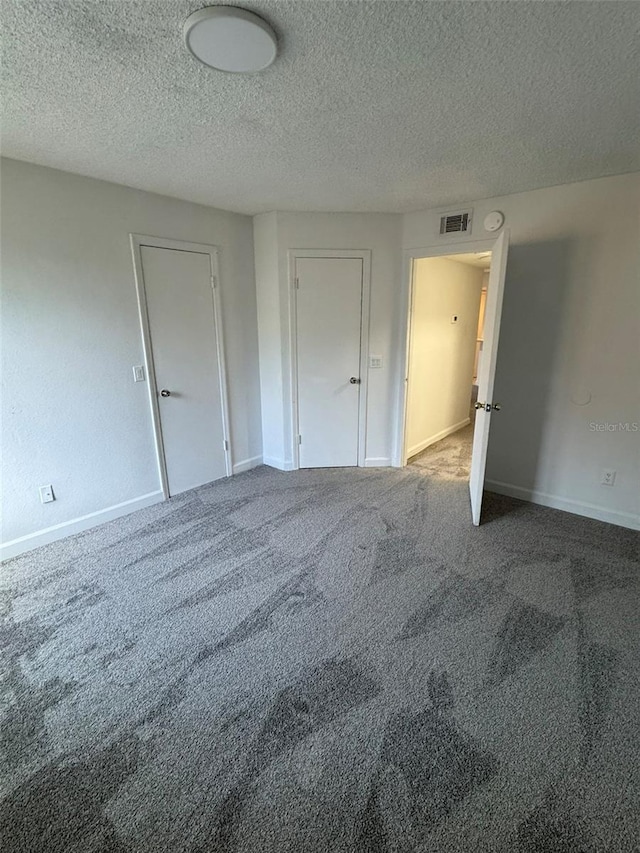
x: 375, y: 362
x: 138, y: 372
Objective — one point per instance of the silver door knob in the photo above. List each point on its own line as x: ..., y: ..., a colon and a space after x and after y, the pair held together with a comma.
x: 354, y: 380
x: 488, y: 406
x: 165, y: 393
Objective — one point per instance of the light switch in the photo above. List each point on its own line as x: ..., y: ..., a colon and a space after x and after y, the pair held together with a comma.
x: 138, y: 373
x: 375, y: 362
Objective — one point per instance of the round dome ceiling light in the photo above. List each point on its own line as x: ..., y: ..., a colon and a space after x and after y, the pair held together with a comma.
x: 230, y: 39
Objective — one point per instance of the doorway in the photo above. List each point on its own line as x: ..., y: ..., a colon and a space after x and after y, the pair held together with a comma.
x: 178, y: 298
x: 445, y: 350
x: 440, y: 397
x: 329, y: 315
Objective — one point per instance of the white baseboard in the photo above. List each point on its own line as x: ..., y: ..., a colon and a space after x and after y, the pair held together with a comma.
x: 247, y: 464
x: 369, y: 462
x: 422, y: 445
x: 600, y: 513
x: 76, y: 525
x: 280, y: 464
x: 377, y: 462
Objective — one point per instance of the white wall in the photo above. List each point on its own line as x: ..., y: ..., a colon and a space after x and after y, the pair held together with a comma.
x: 272, y: 380
x: 569, y: 334
x: 569, y: 348
x: 480, y: 333
x: 381, y: 233
x: 72, y: 415
x: 441, y: 353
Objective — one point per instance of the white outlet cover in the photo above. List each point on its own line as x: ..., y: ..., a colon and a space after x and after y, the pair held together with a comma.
x: 46, y: 494
x: 375, y: 362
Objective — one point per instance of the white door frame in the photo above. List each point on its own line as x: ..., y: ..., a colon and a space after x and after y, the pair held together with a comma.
x: 137, y: 242
x: 359, y: 254
x: 408, y: 266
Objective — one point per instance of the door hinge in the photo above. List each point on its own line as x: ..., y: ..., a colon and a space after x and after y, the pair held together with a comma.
x: 214, y: 282
x: 299, y: 439
x: 296, y: 283
x: 226, y: 444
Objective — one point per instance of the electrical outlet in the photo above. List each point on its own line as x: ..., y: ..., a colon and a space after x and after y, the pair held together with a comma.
x: 46, y: 494
x: 375, y: 362
x: 608, y: 477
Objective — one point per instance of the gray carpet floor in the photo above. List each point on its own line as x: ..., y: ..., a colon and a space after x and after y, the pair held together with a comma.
x: 448, y: 459
x: 329, y: 660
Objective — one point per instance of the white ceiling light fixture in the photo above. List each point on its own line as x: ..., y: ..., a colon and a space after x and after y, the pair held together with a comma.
x: 228, y: 38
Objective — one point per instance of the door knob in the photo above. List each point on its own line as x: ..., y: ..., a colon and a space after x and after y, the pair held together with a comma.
x: 165, y: 393
x: 355, y: 380
x: 488, y: 406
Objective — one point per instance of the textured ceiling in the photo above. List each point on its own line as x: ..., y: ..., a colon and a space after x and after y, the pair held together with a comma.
x: 371, y: 106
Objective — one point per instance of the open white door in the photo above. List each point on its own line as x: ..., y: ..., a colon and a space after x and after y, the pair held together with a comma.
x: 493, y: 312
x: 186, y: 358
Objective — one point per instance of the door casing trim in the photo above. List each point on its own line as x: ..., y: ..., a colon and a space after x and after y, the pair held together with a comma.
x: 358, y: 254
x: 137, y: 242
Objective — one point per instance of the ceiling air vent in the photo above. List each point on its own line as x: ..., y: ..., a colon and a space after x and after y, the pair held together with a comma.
x: 456, y: 223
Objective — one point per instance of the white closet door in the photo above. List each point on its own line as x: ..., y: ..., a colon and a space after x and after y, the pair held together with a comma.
x: 329, y: 320
x: 182, y: 326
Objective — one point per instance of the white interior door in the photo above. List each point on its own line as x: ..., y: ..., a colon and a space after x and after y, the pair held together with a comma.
x: 186, y: 362
x: 493, y: 312
x: 329, y: 321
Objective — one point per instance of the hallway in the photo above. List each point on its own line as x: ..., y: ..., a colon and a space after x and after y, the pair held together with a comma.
x: 449, y: 458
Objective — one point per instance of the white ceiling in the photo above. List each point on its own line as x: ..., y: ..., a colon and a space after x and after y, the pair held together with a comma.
x: 371, y: 106
x: 481, y: 260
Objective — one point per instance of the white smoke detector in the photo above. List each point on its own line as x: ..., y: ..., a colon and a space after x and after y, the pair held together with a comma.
x: 230, y: 39
x: 493, y: 221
